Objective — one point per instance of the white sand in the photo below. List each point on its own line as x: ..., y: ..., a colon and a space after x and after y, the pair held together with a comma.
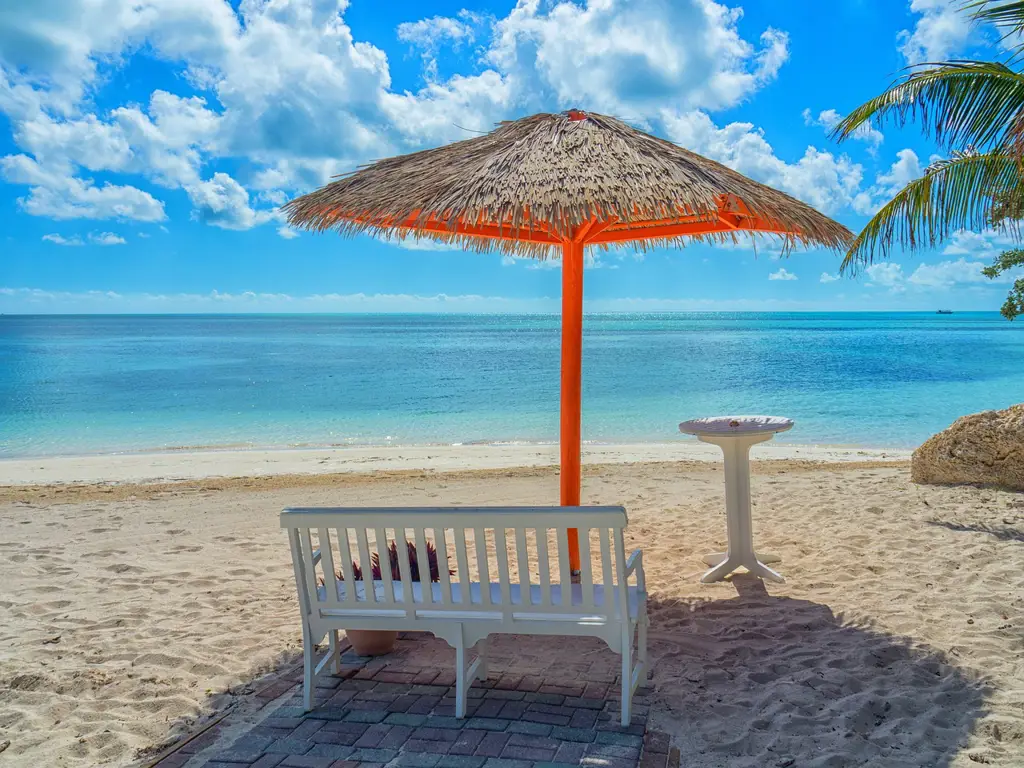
x: 895, y: 642
x: 192, y: 465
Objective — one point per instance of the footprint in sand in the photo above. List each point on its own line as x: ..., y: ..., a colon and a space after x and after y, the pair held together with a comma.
x: 124, y: 568
x: 244, y: 572
x: 157, y: 660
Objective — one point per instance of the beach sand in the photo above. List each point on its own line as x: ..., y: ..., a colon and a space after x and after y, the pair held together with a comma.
x: 128, y: 610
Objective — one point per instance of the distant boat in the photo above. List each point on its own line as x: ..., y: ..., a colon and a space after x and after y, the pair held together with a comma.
x: 944, y: 312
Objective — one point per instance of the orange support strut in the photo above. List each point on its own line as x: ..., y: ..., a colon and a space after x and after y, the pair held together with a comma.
x: 572, y: 380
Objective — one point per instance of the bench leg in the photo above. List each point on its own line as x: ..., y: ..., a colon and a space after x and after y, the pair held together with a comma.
x: 461, y: 682
x: 481, y: 655
x: 627, y: 673
x: 308, y: 670
x: 641, y: 642
x: 465, y: 673
x: 335, y: 651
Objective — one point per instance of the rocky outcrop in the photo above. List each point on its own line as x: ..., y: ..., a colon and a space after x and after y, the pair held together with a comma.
x: 983, y: 448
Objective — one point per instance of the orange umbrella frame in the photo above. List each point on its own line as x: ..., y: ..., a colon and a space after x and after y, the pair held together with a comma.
x: 730, y: 217
x: 594, y: 232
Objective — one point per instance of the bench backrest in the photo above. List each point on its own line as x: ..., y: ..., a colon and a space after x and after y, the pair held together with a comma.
x: 522, y: 551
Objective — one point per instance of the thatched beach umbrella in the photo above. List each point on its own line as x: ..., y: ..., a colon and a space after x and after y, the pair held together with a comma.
x: 554, y: 184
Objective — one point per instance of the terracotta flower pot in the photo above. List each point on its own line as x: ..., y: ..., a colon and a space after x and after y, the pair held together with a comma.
x: 372, y: 642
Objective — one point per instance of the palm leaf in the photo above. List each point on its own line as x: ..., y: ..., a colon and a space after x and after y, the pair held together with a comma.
x: 959, y: 103
x: 1008, y: 15
x: 960, y: 193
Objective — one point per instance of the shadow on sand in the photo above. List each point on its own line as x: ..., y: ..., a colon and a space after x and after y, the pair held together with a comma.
x: 768, y: 681
x: 1001, y: 532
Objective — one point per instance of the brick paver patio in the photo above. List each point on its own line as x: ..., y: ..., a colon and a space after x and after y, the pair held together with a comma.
x: 542, y: 705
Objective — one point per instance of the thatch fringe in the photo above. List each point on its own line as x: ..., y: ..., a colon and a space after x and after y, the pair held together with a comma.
x: 546, y: 176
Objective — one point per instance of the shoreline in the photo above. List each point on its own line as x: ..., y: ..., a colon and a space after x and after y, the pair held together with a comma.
x: 183, y: 465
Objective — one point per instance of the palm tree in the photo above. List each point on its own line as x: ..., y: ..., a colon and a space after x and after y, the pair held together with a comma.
x: 974, y: 110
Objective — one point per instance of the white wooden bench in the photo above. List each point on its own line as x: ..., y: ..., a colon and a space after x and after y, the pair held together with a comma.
x: 465, y: 607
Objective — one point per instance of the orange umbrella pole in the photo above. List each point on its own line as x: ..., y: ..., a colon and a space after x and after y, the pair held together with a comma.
x: 572, y: 380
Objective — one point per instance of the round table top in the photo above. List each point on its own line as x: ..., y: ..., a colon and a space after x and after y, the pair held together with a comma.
x: 735, y: 425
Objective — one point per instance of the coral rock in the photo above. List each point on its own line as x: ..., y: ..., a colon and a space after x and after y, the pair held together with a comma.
x: 985, y: 448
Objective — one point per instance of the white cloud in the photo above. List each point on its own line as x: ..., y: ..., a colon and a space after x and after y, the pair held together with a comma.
x: 61, y: 240
x: 782, y: 274
x: 59, y: 196
x: 35, y: 299
x: 979, y: 245
x: 287, y: 233
x: 827, y: 182
x: 106, y: 238
x: 927, y: 278
x: 628, y: 56
x: 96, y: 238
x: 947, y: 274
x: 430, y: 35
x: 905, y: 169
x: 941, y: 31
x: 830, y: 118
x: 29, y: 300
x: 168, y: 139
x: 58, y: 46
x: 827, y: 277
x: 886, y: 274
x: 421, y: 244
x: 286, y: 88
x: 591, y: 260
x: 223, y: 202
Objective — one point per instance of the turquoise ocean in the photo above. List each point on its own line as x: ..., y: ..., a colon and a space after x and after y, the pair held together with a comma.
x: 100, y: 384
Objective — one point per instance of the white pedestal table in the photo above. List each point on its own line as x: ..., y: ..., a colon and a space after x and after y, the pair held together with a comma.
x: 735, y: 435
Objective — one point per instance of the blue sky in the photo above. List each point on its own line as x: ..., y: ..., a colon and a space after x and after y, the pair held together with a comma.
x: 146, y: 144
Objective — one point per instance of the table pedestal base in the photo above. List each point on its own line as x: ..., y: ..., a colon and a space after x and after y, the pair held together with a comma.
x: 723, y: 565
x: 717, y: 557
x: 735, y: 435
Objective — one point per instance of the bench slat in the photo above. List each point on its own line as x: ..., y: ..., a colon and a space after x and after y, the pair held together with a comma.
x: 543, y: 565
x: 480, y: 544
x: 564, y: 574
x: 423, y: 565
x: 586, y: 579
x: 606, y: 571
x: 345, y: 552
x: 404, y: 568
x: 369, y: 593
x: 620, y: 570
x: 501, y: 548
x: 381, y: 540
x: 327, y: 561
x: 523, y: 560
x: 441, y: 542
x: 462, y: 558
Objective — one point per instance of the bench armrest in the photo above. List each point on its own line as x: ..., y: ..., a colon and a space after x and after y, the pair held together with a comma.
x: 635, y: 564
